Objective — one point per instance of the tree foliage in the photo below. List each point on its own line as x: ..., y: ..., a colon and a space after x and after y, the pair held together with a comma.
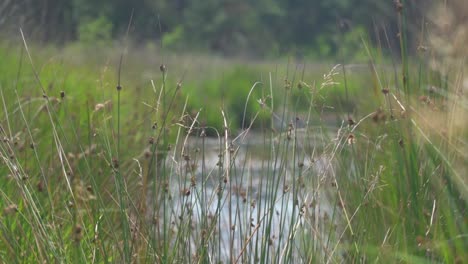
x: 250, y: 27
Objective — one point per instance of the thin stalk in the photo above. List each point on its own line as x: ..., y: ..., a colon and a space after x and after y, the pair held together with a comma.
x: 116, y: 163
x: 402, y: 10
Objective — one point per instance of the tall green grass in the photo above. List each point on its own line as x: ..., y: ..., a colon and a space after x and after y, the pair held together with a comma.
x: 402, y: 176
x: 278, y: 167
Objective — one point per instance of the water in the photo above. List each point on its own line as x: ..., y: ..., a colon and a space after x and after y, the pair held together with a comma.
x: 249, y: 195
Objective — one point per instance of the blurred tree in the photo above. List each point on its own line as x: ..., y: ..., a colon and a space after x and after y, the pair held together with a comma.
x: 42, y: 20
x: 230, y: 27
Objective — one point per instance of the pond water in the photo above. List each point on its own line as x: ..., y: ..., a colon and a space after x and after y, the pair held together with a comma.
x: 249, y: 192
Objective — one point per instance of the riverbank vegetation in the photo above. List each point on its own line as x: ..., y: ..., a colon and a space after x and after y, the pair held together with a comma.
x: 122, y: 153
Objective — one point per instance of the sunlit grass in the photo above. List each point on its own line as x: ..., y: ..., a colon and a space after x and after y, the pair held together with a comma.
x: 171, y: 170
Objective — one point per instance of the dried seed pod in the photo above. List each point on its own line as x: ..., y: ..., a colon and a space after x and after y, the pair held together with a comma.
x: 40, y: 186
x: 185, y: 191
x: 115, y: 163
x: 398, y: 6
x: 351, y: 139
x: 12, y: 208
x: 78, y: 233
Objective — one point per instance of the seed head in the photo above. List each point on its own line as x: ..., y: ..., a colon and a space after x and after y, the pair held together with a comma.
x: 40, y: 186
x: 185, y: 191
x: 115, y: 163
x: 12, y: 208
x: 78, y: 229
x: 351, y: 139
x: 424, y: 99
x: 422, y: 48
x: 398, y: 6
x: 420, y: 241
x: 401, y: 143
x: 299, y: 85
x: 78, y: 233
x: 379, y: 116
x: 193, y: 181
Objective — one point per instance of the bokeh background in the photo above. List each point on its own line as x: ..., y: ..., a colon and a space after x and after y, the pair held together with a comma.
x: 265, y: 28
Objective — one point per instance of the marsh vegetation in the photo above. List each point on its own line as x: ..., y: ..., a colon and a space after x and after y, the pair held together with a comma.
x: 128, y: 154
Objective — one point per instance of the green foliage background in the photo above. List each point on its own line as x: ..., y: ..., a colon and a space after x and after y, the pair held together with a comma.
x: 229, y: 27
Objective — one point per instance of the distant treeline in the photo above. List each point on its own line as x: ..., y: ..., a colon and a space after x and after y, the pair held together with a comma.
x: 230, y: 27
